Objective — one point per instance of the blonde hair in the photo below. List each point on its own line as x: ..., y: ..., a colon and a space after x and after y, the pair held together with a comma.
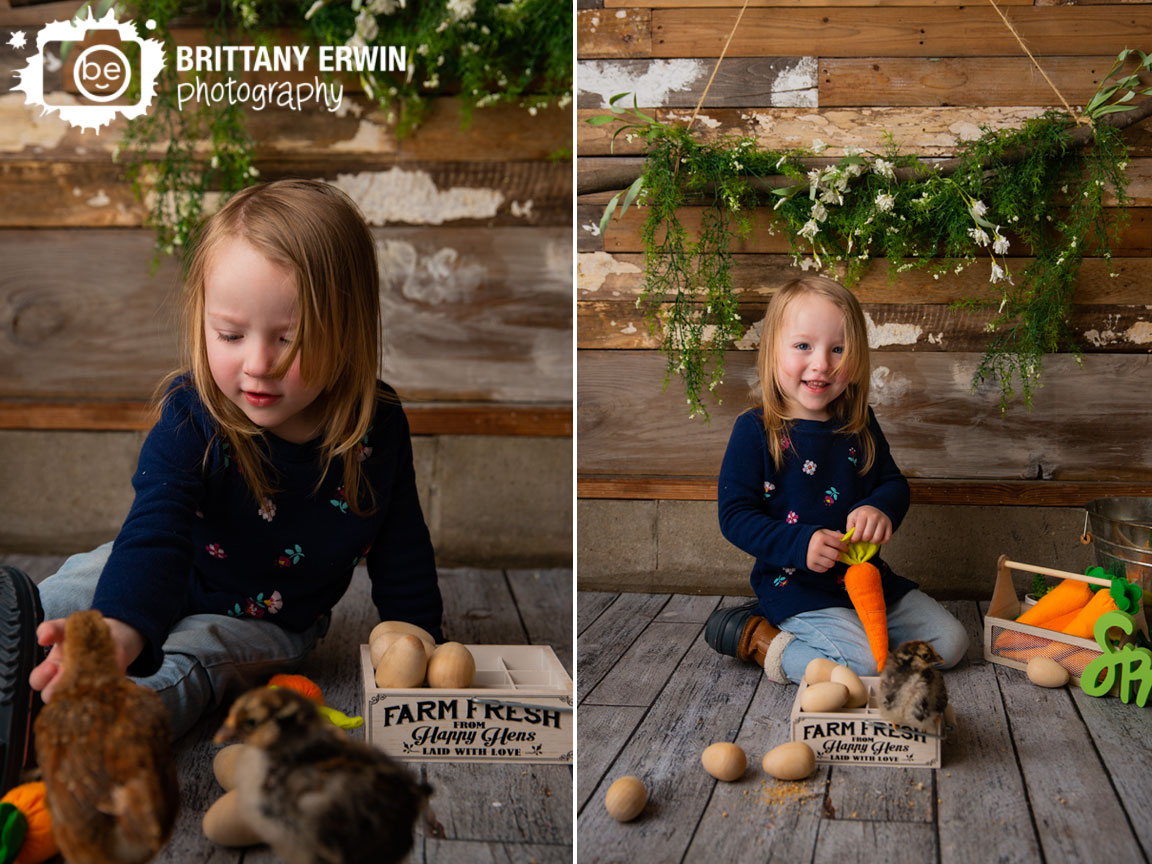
x: 318, y: 234
x: 851, y: 406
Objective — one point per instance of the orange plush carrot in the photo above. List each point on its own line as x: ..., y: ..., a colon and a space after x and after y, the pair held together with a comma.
x: 1070, y: 595
x: 1084, y: 623
x: 862, y: 580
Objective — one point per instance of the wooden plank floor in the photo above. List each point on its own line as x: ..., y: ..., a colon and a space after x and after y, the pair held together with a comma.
x: 1034, y: 775
x: 487, y: 812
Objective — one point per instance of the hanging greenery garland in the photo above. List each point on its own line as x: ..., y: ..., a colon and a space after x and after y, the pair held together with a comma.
x: 485, y: 52
x: 1043, y: 185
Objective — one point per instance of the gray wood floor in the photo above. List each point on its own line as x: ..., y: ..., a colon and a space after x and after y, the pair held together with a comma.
x: 1036, y: 775
x: 489, y: 812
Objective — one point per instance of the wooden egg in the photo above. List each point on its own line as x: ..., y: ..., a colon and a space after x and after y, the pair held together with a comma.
x: 224, y: 764
x: 451, y: 666
x: 825, y: 696
x: 792, y: 761
x: 625, y: 798
x: 403, y: 665
x: 857, y: 692
x: 1046, y: 672
x: 819, y: 670
x: 402, y: 627
x: 724, y: 761
x: 387, y: 639
x: 222, y: 823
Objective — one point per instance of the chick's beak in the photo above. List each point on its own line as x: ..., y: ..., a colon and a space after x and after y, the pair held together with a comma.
x: 226, y: 733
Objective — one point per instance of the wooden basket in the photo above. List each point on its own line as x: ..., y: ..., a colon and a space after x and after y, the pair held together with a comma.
x: 1012, y: 644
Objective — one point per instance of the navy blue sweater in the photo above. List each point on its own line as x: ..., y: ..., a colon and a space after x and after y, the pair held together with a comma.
x: 197, y: 541
x: 772, y: 512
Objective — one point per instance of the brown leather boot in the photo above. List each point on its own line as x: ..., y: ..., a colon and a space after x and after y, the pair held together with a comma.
x: 755, y: 638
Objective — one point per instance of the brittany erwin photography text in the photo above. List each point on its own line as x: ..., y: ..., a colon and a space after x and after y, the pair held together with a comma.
x: 281, y: 58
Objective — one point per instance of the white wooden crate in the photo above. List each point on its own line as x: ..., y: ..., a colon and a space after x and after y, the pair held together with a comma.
x: 520, y: 710
x: 860, y: 736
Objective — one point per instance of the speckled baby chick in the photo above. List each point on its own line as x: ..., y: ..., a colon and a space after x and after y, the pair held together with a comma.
x: 104, y: 745
x: 912, y: 689
x: 311, y: 792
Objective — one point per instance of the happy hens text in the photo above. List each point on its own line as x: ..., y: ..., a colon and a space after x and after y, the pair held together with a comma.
x: 434, y: 710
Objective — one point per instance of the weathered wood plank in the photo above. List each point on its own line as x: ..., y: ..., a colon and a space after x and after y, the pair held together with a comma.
x: 423, y: 419
x: 757, y: 817
x: 44, y: 194
x: 479, y: 608
x: 604, y: 641
x: 1019, y: 493
x: 620, y: 277
x: 891, y: 794
x: 1076, y: 812
x: 895, y: 842
x: 643, y: 670
x: 544, y: 599
x: 982, y: 803
x: 590, y: 605
x: 685, y: 609
x: 474, y: 852
x: 956, y: 31
x: 466, y: 311
x: 624, y: 233
x: 1082, y: 427
x: 603, y: 732
x: 1122, y: 735
x: 891, y: 327
x: 718, y: 4
x: 940, y: 81
x: 616, y: 33
x: 705, y: 701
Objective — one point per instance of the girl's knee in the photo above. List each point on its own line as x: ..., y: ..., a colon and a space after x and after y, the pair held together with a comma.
x: 951, y: 644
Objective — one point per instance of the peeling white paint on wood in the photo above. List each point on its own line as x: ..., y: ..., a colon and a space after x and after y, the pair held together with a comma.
x: 440, y: 277
x: 606, y: 78
x: 750, y: 341
x: 397, y: 195
x: 100, y: 199
x: 594, y: 268
x: 629, y: 330
x: 23, y: 126
x: 1139, y: 333
x: 888, y: 387
x: 796, y: 86
x: 521, y: 210
x: 892, y: 333
x: 370, y: 137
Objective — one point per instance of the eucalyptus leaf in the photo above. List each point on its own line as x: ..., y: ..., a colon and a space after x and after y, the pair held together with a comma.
x: 608, y: 211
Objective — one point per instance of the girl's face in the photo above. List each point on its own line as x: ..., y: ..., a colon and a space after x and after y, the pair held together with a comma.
x: 810, y: 347
x: 250, y: 317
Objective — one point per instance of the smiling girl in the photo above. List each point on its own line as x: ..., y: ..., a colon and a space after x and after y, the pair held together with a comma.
x: 278, y: 463
x: 800, y: 471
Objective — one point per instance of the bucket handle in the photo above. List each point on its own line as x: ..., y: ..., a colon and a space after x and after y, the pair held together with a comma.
x: 1086, y: 536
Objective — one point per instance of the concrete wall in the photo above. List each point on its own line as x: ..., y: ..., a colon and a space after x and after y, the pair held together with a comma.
x: 950, y: 550
x: 490, y: 501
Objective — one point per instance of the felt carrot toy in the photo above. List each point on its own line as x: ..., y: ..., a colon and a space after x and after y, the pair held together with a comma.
x: 1085, y: 621
x: 862, y: 579
x: 26, y: 826
x: 1070, y: 595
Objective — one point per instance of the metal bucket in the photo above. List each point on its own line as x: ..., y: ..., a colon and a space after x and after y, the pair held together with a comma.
x: 1121, y: 532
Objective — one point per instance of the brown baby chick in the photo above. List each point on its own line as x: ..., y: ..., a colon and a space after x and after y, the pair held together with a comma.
x: 311, y: 792
x: 104, y: 745
x: 912, y: 690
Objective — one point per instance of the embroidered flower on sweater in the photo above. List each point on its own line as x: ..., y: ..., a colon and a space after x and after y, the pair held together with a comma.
x: 362, y: 451
x: 830, y: 496
x: 267, y: 510
x: 792, y: 518
x: 291, y: 556
x: 852, y: 455
x: 339, y: 501
x: 809, y: 467
x: 259, y: 606
x: 780, y: 581
x: 215, y: 551
x: 769, y: 488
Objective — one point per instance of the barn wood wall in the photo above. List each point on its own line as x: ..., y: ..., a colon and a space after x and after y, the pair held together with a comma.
x: 473, y: 227
x: 931, y: 74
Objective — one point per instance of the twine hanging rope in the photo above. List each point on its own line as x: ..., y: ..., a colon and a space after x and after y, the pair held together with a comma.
x: 1075, y: 115
x: 1080, y: 119
x: 719, y: 60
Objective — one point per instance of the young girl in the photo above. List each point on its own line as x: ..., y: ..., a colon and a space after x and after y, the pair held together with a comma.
x: 799, y: 472
x: 277, y: 465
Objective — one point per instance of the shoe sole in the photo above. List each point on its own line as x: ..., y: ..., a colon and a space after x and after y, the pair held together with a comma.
x: 724, y: 627
x: 20, y: 613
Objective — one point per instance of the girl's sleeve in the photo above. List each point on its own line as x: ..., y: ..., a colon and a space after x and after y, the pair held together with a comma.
x: 740, y: 497
x: 145, y: 580
x: 401, y: 562
x: 890, y: 494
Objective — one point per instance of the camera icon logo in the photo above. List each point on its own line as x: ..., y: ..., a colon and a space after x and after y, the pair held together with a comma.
x: 102, y: 72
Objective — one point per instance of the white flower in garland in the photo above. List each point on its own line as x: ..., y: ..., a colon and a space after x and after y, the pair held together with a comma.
x: 818, y: 146
x: 461, y: 9
x: 810, y: 229
x: 884, y: 168
x: 998, y: 273
x: 999, y: 242
x: 885, y: 202
x: 978, y: 209
x: 979, y: 235
x: 819, y: 212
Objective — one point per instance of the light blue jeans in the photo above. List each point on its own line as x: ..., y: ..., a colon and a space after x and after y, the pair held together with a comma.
x: 207, y: 658
x: 836, y: 633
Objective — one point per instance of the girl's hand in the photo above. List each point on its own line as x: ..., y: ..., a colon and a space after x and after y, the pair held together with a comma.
x: 871, y: 525
x: 129, y: 643
x: 823, y: 550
